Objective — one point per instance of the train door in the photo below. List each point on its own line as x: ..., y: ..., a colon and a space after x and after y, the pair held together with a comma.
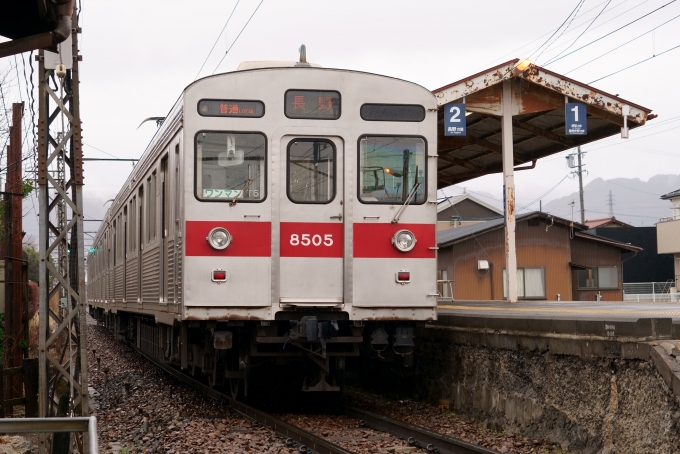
x: 311, y: 221
x: 164, y: 232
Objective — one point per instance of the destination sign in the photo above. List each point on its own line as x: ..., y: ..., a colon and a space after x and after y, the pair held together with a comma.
x: 230, y: 108
x: 313, y: 104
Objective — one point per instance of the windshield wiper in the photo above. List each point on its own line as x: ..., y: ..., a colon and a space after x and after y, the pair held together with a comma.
x: 243, y: 190
x: 411, y: 195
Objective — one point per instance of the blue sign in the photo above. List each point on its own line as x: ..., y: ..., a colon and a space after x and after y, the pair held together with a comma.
x: 575, y: 119
x: 454, y: 120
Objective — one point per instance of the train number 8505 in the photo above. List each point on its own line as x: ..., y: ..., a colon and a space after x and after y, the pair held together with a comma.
x: 307, y: 239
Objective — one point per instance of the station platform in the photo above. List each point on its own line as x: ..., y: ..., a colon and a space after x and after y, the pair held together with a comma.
x: 577, y: 310
x: 569, y: 320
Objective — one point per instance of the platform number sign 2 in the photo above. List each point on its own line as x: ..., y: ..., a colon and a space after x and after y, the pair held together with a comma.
x: 454, y: 120
x: 575, y: 123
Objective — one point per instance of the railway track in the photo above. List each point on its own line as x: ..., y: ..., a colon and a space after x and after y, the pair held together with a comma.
x: 308, y: 443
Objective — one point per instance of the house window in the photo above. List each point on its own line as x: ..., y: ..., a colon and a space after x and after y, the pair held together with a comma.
x: 530, y: 283
x: 603, y: 277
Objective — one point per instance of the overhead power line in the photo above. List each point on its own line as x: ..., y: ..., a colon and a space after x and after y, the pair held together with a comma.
x: 635, y: 64
x: 573, y: 12
x: 587, y: 28
x: 608, y: 34
x: 514, y: 52
x: 217, y: 40
x: 239, y: 34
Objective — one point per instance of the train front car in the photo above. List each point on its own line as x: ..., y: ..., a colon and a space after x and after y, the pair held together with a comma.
x: 296, y: 212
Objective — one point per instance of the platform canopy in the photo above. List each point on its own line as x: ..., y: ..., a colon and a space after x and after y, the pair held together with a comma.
x: 538, y: 119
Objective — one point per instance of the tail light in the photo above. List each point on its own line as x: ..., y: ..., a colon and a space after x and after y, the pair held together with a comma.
x: 403, y: 277
x: 219, y: 276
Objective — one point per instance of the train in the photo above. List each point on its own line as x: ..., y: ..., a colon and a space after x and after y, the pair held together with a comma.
x: 282, y: 212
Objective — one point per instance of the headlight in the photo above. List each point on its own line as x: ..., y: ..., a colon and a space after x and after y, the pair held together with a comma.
x: 404, y: 240
x: 219, y: 238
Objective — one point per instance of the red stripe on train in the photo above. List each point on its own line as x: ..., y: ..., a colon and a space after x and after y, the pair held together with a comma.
x: 312, y: 239
x: 249, y: 239
x: 375, y: 241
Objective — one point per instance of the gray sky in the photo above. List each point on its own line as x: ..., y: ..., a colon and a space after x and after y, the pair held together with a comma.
x: 139, y: 55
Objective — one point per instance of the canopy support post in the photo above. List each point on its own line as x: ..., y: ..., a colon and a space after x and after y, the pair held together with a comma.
x: 509, y: 194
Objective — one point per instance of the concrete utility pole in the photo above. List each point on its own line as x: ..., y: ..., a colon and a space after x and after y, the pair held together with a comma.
x: 13, y: 257
x: 579, y: 172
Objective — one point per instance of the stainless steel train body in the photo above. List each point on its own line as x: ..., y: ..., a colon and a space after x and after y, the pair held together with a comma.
x: 285, y: 206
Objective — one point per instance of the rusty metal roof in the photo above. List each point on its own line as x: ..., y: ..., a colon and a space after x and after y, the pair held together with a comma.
x: 538, y: 119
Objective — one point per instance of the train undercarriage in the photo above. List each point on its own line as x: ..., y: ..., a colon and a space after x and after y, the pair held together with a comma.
x: 307, y: 352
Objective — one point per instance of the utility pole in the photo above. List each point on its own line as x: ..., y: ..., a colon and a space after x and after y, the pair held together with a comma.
x: 62, y: 358
x: 579, y: 172
x: 610, y: 203
x: 14, y: 326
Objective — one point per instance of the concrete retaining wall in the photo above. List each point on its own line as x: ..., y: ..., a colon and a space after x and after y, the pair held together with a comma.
x: 585, y: 405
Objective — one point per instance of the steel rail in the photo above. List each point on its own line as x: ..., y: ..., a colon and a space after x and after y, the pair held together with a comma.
x: 301, y: 437
x: 416, y: 436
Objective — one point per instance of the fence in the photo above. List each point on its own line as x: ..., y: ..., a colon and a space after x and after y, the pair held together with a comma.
x: 656, y: 292
x: 52, y: 425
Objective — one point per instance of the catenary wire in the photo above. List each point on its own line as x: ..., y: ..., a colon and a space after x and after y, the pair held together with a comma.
x: 576, y: 8
x: 562, y: 33
x: 620, y: 46
x: 587, y: 28
x: 634, y: 64
x: 608, y: 34
x: 545, y: 34
x: 217, y: 40
x: 237, y: 37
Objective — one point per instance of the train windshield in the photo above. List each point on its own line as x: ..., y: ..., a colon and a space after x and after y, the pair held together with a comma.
x: 311, y: 171
x: 390, y: 167
x: 230, y: 166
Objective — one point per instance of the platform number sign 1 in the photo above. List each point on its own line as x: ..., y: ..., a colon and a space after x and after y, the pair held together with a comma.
x: 454, y: 120
x: 576, y: 123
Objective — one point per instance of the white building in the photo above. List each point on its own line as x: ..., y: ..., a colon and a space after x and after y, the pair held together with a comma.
x: 668, y: 232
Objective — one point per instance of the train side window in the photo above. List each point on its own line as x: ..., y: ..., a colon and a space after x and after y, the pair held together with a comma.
x: 115, y: 243
x: 311, y: 171
x: 152, y: 206
x: 231, y: 167
x: 390, y: 169
x: 133, y: 223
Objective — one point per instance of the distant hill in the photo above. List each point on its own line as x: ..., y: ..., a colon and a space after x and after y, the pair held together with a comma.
x: 634, y: 201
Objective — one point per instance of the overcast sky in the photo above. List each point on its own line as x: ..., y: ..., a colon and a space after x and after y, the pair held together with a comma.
x: 139, y: 55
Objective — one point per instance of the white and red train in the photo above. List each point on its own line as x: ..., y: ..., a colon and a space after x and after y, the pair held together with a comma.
x: 281, y: 211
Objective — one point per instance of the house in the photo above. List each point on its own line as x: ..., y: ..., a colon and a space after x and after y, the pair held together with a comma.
x: 556, y: 260
x: 606, y: 223
x: 668, y: 233
x: 647, y: 265
x: 462, y: 210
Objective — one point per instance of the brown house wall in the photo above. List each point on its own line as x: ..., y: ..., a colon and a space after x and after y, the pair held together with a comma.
x: 535, y: 248
x: 593, y: 254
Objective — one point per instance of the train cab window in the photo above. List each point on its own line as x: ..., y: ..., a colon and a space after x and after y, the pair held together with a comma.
x: 311, y: 171
x: 230, y: 167
x: 392, y: 169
